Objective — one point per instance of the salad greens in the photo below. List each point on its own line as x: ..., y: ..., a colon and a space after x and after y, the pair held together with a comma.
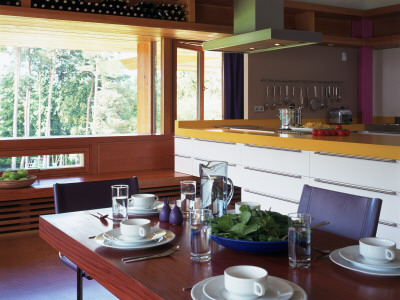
x: 251, y: 225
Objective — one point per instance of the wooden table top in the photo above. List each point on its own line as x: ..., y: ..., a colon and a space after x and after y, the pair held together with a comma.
x: 163, y: 278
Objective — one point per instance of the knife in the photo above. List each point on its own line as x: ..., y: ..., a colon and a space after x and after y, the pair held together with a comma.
x: 150, y: 256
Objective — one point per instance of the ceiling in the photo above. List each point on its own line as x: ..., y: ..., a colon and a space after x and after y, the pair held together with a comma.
x: 357, y: 4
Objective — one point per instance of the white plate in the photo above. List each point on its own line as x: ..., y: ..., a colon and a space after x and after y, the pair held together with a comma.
x: 155, y: 209
x: 339, y: 260
x: 198, y: 294
x: 276, y: 289
x: 231, y: 211
x: 116, y: 236
x: 168, y: 237
x: 352, y: 254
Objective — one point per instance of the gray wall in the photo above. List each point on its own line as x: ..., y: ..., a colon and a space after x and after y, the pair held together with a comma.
x: 302, y: 63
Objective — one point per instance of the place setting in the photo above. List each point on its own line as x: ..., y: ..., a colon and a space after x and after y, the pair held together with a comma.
x: 144, y: 205
x: 374, y: 256
x: 135, y: 234
x: 245, y: 282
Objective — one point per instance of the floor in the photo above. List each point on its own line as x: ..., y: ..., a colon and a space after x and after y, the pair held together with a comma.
x: 30, y: 269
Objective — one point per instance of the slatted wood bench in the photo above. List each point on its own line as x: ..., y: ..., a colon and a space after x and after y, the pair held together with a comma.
x: 20, y: 208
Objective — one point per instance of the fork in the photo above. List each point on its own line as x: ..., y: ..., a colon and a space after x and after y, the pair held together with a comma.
x: 150, y: 256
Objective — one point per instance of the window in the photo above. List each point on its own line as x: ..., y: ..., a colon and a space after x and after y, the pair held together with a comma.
x: 198, y: 83
x: 39, y: 162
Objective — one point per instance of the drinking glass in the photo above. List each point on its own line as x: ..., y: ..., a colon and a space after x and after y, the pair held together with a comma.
x: 200, y: 234
x: 299, y: 237
x: 188, y: 197
x: 120, y: 202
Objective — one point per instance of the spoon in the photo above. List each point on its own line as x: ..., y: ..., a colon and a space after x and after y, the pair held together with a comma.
x: 338, y: 98
x: 267, y: 104
x: 287, y: 94
x: 273, y: 103
x: 280, y: 96
x: 293, y: 96
x: 301, y: 98
x: 102, y: 220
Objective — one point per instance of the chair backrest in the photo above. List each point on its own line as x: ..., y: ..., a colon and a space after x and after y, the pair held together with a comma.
x: 76, y: 196
x: 348, y: 215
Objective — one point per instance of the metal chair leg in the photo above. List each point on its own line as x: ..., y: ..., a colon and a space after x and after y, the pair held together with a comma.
x: 79, y: 295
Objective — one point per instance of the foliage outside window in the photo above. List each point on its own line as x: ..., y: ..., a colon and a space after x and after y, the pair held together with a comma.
x: 73, y: 160
x: 54, y: 92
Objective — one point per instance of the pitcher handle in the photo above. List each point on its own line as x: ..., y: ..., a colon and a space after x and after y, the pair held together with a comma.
x: 230, y: 193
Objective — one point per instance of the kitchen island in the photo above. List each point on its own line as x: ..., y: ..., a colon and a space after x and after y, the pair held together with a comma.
x: 272, y: 167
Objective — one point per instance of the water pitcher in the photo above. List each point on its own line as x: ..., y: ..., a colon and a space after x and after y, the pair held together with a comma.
x: 214, y: 183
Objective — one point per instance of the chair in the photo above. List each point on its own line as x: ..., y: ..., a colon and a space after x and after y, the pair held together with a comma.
x: 69, y: 197
x: 348, y: 215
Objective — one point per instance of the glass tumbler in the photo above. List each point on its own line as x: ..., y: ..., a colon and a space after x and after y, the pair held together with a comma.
x: 188, y: 197
x: 299, y: 237
x: 200, y: 234
x: 120, y: 202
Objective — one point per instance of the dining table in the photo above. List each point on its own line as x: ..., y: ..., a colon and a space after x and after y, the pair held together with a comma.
x: 164, y: 278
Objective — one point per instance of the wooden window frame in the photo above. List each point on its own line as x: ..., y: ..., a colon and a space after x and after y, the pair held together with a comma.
x: 200, y: 75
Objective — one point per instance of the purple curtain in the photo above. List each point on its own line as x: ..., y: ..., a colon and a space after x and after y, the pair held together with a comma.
x: 233, y: 86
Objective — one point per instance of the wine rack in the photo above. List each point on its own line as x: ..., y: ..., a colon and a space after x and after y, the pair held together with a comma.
x: 153, y: 10
x: 10, y: 2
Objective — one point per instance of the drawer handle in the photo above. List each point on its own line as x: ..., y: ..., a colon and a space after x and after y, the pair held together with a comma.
x: 183, y: 156
x: 353, y: 186
x: 391, y: 224
x: 274, y: 172
x: 182, y: 137
x: 213, y: 141
x: 271, y: 196
x: 204, y: 159
x: 357, y: 157
x: 274, y: 148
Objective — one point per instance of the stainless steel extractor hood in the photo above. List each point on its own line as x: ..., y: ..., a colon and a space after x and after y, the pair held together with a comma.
x: 259, y: 26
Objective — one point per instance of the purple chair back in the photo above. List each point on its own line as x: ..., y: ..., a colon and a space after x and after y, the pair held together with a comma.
x: 348, y: 215
x: 69, y: 197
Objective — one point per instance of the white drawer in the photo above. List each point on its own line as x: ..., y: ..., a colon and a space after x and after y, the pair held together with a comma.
x: 274, y: 183
x: 390, y: 203
x: 207, y: 150
x: 183, y: 164
x: 389, y: 232
x: 278, y: 159
x: 368, y: 172
x: 235, y: 172
x: 183, y: 146
x: 277, y: 204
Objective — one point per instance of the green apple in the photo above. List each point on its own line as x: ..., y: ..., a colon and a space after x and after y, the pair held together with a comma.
x: 5, y: 174
x: 14, y: 176
x: 22, y: 173
x: 23, y: 178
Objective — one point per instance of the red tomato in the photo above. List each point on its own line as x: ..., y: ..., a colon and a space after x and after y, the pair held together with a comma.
x: 333, y: 132
x: 320, y: 132
x: 327, y: 132
x: 338, y: 127
x: 340, y: 132
x: 315, y: 132
x: 346, y: 132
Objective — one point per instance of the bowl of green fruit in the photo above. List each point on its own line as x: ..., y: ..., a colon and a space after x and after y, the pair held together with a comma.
x: 16, y: 179
x: 252, y: 231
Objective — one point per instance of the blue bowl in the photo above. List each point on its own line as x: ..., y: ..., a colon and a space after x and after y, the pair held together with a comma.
x: 253, y: 247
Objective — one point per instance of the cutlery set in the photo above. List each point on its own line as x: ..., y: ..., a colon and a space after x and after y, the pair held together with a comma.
x: 330, y: 93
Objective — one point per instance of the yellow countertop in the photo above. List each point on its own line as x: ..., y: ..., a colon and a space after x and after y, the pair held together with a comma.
x: 369, y: 145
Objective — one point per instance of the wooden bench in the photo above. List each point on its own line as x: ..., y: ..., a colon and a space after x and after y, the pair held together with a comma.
x: 20, y: 208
